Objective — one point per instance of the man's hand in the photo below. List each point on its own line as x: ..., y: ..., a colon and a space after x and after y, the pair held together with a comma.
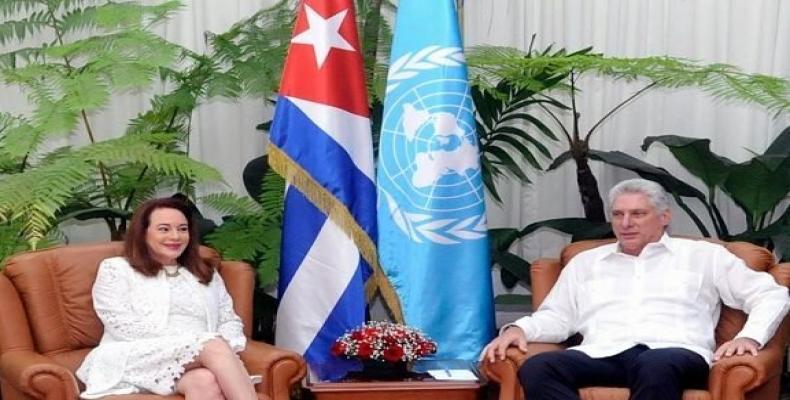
x: 512, y: 336
x: 739, y: 346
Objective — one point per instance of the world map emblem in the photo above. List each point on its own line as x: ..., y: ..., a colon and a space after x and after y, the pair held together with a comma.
x: 433, y: 187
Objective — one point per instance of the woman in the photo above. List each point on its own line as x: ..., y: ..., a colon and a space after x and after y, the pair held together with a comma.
x: 169, y: 324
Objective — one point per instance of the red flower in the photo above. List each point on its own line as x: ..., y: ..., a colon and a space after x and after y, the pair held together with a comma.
x: 338, y: 348
x: 393, y: 354
x: 364, y: 351
x: 426, y: 348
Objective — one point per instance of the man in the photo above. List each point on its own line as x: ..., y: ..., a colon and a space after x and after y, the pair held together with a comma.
x: 647, y: 307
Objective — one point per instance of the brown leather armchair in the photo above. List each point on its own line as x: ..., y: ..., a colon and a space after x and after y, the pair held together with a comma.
x: 48, y: 325
x: 737, y: 377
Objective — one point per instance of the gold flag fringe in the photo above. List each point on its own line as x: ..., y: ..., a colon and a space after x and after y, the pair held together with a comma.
x: 294, y: 174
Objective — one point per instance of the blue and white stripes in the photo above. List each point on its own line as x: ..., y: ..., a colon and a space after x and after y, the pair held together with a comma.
x: 323, y: 272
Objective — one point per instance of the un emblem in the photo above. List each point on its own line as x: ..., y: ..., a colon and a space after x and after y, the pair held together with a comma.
x: 434, y: 189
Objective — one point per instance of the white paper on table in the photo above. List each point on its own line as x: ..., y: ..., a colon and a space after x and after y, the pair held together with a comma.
x: 453, y: 374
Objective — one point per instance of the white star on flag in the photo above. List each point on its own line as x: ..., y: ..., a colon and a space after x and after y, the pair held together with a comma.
x: 323, y: 34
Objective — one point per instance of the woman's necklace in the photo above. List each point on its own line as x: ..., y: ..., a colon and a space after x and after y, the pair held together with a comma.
x: 171, y: 271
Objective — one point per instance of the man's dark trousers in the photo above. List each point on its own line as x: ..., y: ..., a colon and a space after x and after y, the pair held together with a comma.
x: 650, y: 374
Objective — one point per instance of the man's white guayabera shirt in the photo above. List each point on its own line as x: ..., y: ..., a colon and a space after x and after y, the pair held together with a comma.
x: 668, y: 296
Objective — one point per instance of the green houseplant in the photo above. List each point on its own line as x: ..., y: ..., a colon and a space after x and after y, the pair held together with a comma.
x: 758, y: 186
x: 96, y: 50
x: 507, y: 127
x: 495, y: 65
x: 524, y: 70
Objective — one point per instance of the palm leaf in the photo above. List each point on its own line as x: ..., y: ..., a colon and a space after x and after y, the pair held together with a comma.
x: 230, y: 203
x: 35, y: 196
x: 501, y: 132
x: 722, y: 81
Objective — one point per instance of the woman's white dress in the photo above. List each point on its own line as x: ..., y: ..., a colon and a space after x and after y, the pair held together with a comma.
x: 154, y: 326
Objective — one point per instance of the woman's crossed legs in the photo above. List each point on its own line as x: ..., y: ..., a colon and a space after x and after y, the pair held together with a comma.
x: 216, y: 374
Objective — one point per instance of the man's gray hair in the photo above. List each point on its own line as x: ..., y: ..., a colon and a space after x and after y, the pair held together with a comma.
x: 654, y: 192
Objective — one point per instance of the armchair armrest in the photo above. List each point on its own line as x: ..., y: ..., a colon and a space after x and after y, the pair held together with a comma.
x: 505, y: 372
x: 781, y: 272
x: 38, y: 376
x: 733, y: 376
x: 280, y: 369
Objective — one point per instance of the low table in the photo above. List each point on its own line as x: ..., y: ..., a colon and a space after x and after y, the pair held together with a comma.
x: 406, y: 390
x: 422, y: 388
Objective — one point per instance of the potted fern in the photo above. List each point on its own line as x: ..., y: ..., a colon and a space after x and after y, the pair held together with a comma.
x: 82, y: 55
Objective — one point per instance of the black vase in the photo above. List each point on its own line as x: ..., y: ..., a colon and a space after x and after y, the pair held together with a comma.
x: 379, y: 370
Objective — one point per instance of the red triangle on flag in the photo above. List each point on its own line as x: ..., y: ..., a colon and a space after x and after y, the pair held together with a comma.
x: 324, y: 62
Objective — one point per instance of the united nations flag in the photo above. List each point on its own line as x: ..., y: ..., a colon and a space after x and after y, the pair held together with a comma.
x: 431, y: 211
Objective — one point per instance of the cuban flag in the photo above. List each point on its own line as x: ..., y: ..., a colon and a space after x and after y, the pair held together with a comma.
x: 321, y: 143
x: 433, y: 241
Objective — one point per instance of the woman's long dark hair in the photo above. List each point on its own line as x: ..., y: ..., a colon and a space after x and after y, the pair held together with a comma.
x: 136, y: 247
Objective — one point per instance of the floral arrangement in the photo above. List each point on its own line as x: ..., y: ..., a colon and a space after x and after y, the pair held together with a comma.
x: 384, y: 342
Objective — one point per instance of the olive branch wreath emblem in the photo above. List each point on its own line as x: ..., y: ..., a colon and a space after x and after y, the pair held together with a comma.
x: 420, y: 227
x: 410, y: 65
